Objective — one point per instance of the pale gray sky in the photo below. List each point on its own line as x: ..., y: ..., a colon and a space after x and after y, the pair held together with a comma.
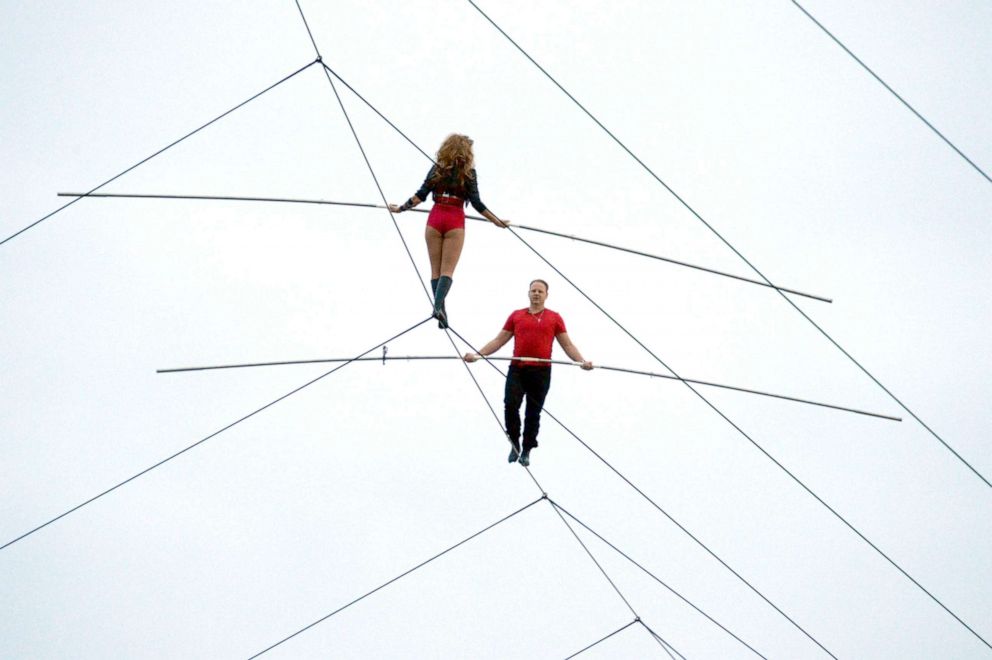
x: 774, y: 135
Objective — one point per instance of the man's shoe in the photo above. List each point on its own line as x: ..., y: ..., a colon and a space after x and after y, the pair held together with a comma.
x: 525, y: 458
x: 514, y: 455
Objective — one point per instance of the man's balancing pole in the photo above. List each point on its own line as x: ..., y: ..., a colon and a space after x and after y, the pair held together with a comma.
x: 530, y: 359
x: 471, y: 217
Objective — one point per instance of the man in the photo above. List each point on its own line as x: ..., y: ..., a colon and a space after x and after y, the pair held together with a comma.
x: 533, y: 329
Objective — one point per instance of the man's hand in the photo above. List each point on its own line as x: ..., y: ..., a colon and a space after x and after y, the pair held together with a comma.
x: 470, y: 357
x: 587, y: 365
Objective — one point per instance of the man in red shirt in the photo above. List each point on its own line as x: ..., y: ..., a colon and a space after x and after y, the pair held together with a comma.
x: 533, y: 329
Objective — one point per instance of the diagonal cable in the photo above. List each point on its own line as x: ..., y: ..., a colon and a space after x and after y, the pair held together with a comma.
x: 598, y: 565
x: 892, y: 91
x: 160, y: 151
x: 212, y: 435
x: 731, y: 247
x: 309, y: 32
x: 601, y: 640
x: 661, y: 640
x: 401, y: 575
x: 655, y: 578
x: 376, y: 111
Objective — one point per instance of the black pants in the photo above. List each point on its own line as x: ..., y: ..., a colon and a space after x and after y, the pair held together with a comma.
x: 533, y: 382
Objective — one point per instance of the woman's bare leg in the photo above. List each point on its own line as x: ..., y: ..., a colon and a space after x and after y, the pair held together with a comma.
x: 434, y: 245
x: 451, y: 250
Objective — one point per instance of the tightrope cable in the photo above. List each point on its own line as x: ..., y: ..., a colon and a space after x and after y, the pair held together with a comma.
x: 309, y: 33
x: 399, y: 233
x: 447, y: 333
x: 160, y: 151
x: 212, y: 435
x: 730, y: 246
x: 499, y: 422
x: 401, y: 575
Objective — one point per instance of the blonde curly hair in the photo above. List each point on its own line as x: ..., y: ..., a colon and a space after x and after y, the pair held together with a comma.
x: 455, y: 161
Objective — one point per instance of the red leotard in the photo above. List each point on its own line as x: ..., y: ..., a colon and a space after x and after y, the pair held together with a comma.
x: 447, y: 213
x: 445, y: 217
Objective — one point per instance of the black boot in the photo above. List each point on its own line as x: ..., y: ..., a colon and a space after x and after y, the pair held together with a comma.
x: 440, y: 292
x: 525, y: 457
x: 514, y: 451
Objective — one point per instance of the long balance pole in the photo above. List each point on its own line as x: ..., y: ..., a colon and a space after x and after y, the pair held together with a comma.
x: 284, y: 200
x: 638, y: 372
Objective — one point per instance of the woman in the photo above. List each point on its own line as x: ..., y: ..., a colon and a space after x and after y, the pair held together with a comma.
x: 453, y: 181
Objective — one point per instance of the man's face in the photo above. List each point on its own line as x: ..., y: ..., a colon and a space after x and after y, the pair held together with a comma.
x: 538, y: 293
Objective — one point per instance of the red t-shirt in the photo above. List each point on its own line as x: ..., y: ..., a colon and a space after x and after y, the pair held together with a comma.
x: 533, y: 334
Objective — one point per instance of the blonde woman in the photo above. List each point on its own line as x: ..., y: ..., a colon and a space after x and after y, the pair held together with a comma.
x: 454, y: 182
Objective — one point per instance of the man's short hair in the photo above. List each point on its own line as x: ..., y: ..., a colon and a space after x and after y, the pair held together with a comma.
x: 542, y: 282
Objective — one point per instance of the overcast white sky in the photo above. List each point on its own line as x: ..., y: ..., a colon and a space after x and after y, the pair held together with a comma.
x: 774, y: 135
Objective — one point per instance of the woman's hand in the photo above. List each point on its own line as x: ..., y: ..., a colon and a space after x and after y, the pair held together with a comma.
x: 470, y: 357
x: 491, y: 217
x: 395, y: 208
